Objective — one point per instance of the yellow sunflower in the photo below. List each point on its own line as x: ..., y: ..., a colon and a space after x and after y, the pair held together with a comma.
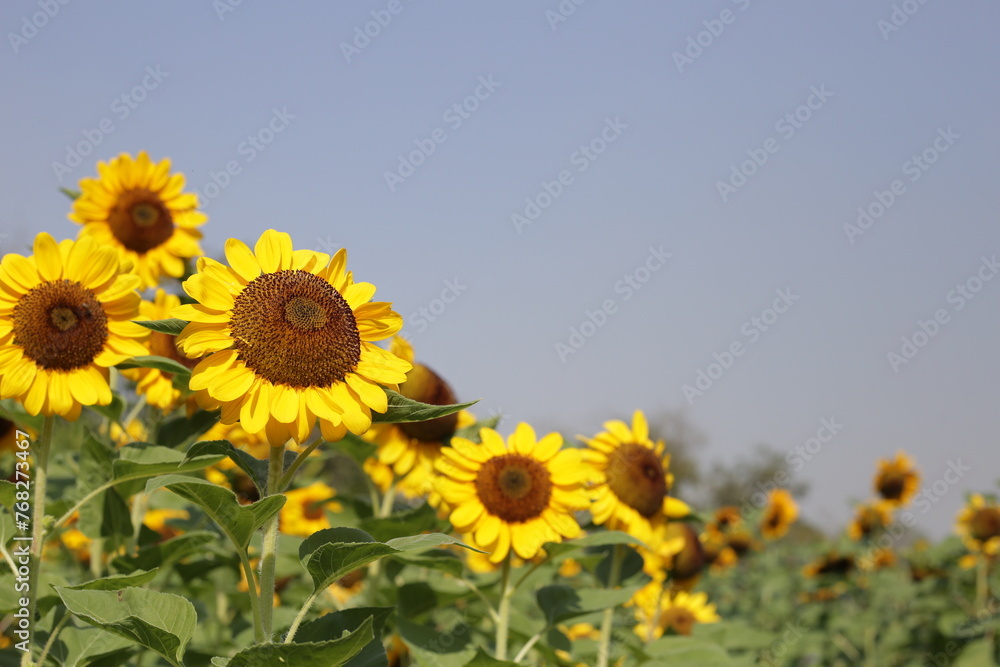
x: 157, y: 521
x: 9, y: 437
x: 630, y: 479
x: 288, y: 336
x: 304, y: 511
x: 410, y: 450
x: 156, y: 385
x: 718, y: 553
x: 870, y: 519
x: 514, y: 496
x: 658, y: 612
x: 897, y: 480
x: 832, y: 563
x: 65, y: 318
x: 780, y: 513
x: 348, y: 586
x: 979, y: 525
x: 138, y: 208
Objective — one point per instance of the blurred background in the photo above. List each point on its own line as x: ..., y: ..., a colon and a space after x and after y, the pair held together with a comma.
x: 761, y: 224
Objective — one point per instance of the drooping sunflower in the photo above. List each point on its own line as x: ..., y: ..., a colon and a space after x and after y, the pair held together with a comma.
x: 138, y: 208
x: 897, y: 480
x: 65, y: 318
x: 514, y: 496
x: 659, y: 612
x: 156, y: 385
x: 870, y: 519
x: 410, y: 450
x: 630, y: 480
x: 288, y: 338
x: 979, y: 525
x: 304, y: 511
x: 780, y: 513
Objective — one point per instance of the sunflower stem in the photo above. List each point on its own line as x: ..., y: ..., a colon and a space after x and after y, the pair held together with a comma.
x: 506, y: 594
x: 258, y: 627
x: 298, y: 617
x: 269, y: 550
x: 650, y: 632
x: 286, y: 479
x: 387, y: 500
x: 982, y: 586
x: 41, y: 461
x: 607, y: 622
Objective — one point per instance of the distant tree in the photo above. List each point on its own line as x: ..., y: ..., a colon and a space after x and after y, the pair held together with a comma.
x: 735, y: 482
x: 684, y: 444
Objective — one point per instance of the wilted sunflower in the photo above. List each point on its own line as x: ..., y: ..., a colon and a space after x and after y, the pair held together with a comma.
x: 65, y: 317
x: 156, y: 385
x: 979, y: 525
x: 631, y: 479
x: 780, y: 513
x: 289, y: 341
x: 659, y: 612
x: 514, y: 496
x: 410, y: 450
x: 897, y: 480
x: 137, y: 207
x: 870, y: 519
x: 304, y: 511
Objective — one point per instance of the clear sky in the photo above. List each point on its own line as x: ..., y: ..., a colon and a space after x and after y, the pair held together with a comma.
x: 693, y: 165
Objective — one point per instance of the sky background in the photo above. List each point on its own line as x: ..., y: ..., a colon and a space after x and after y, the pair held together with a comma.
x: 349, y: 109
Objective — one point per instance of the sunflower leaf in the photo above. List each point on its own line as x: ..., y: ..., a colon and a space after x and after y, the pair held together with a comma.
x: 331, y: 653
x: 142, y: 460
x: 161, y: 622
x: 238, y: 522
x: 256, y: 469
x: 164, y: 364
x: 561, y: 602
x: 482, y: 659
x: 162, y: 554
x: 171, y: 326
x: 600, y: 539
x: 402, y: 524
x: 179, y: 429
x: 114, y: 582
x: 403, y: 410
x: 350, y: 620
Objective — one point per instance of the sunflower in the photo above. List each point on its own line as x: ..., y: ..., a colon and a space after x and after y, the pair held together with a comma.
x: 348, y: 586
x: 137, y: 208
x: 289, y: 341
x: 979, y: 525
x: 156, y: 520
x: 717, y: 551
x: 156, y: 385
x: 870, y: 519
x: 304, y: 511
x: 64, y: 319
x: 832, y: 563
x: 780, y: 513
x: 514, y: 496
x: 658, y: 612
x: 9, y: 437
x: 410, y: 450
x: 897, y: 480
x: 631, y: 479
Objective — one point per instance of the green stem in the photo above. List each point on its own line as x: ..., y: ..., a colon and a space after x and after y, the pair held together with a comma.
x: 269, y: 550
x: 503, y: 624
x: 258, y: 627
x: 52, y: 638
x: 286, y: 479
x: 387, y: 500
x: 40, y: 481
x: 482, y: 596
x: 138, y: 513
x: 300, y: 616
x: 604, y: 648
x: 982, y: 587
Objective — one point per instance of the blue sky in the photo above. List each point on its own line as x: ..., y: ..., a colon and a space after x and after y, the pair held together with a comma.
x: 309, y: 122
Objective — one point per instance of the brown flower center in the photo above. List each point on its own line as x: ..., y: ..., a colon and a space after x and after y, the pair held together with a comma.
x: 140, y: 220
x: 892, y: 485
x: 514, y: 487
x: 986, y: 524
x: 424, y: 385
x: 313, y: 510
x: 60, y: 325
x: 294, y: 328
x: 636, y: 475
x: 679, y: 619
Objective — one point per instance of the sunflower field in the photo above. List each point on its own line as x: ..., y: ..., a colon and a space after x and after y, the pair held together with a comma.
x: 239, y: 462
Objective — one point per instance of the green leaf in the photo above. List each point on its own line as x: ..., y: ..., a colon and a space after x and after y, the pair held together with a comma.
x: 432, y: 647
x: 238, y: 522
x: 72, y: 194
x: 403, y: 410
x: 172, y: 326
x: 482, y: 659
x: 7, y: 491
x: 180, y: 429
x: 677, y: 650
x: 135, y: 579
x: 113, y: 411
x: 332, y: 653
x: 434, y: 559
x: 141, y: 460
x: 159, y: 621
x: 471, y: 432
x: 561, y: 602
x: 77, y: 647
x: 600, y: 539
x: 733, y: 635
x: 329, y: 554
x: 164, y: 364
x: 116, y: 519
x: 256, y: 469
x: 355, y: 447
x: 334, y: 625
x: 163, y: 554
x: 402, y: 524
